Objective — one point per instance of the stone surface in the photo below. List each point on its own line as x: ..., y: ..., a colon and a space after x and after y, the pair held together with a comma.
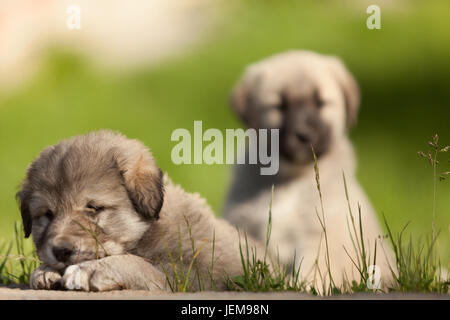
x: 27, y: 294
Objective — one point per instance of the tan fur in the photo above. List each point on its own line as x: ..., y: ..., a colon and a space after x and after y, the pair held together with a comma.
x: 102, y: 199
x: 290, y: 82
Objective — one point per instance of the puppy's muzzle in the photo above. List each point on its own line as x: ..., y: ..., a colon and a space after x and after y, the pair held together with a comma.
x: 304, y: 137
x: 62, y: 253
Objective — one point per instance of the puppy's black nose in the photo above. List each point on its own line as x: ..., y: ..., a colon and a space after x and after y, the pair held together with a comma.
x: 303, y: 138
x: 62, y: 254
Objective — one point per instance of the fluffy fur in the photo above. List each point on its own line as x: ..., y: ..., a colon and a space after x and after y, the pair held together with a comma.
x: 313, y: 100
x: 103, y: 217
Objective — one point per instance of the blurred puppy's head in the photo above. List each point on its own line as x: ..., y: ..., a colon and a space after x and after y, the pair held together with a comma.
x: 311, y: 98
x: 90, y: 196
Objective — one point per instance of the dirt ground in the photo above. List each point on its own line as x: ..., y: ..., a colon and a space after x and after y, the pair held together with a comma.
x: 27, y: 294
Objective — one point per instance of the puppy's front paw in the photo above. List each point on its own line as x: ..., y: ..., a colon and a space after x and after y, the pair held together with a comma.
x: 45, y: 277
x: 88, y: 276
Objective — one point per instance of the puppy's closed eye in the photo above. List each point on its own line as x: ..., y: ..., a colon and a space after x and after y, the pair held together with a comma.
x: 49, y: 214
x: 94, y: 209
x: 318, y: 100
x: 45, y: 215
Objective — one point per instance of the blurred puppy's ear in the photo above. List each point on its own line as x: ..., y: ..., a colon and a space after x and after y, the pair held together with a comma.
x: 240, y: 99
x: 23, y: 199
x: 349, y: 88
x: 142, y: 179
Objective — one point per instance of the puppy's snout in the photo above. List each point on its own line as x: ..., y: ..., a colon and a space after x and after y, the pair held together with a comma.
x: 62, y: 253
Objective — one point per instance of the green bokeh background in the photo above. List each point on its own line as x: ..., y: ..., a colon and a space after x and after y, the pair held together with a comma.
x: 403, y: 70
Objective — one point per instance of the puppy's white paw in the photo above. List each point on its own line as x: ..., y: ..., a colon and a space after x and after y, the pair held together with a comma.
x: 45, y: 277
x: 88, y: 276
x: 75, y: 279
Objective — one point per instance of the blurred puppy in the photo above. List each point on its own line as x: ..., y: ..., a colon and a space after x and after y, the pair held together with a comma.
x: 103, y: 217
x: 313, y: 100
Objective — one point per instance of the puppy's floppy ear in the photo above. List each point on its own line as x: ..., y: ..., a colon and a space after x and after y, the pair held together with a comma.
x: 349, y: 88
x: 239, y: 99
x: 23, y: 199
x: 142, y: 179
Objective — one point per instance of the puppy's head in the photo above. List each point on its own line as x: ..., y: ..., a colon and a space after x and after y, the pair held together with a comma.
x: 90, y: 196
x: 311, y: 98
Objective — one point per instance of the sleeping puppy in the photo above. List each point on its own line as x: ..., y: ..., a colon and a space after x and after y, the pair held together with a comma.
x: 313, y: 100
x: 103, y: 217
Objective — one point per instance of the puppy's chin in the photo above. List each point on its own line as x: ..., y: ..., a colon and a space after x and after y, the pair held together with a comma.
x: 50, y: 261
x: 297, y: 157
x: 60, y: 266
x: 301, y: 153
x: 106, y: 249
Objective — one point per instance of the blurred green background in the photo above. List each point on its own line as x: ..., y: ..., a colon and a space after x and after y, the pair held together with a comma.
x: 403, y: 70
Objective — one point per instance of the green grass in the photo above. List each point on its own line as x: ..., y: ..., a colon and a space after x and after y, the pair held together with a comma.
x: 417, y: 268
x: 267, y: 274
x: 183, y: 277
x: 16, y: 267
